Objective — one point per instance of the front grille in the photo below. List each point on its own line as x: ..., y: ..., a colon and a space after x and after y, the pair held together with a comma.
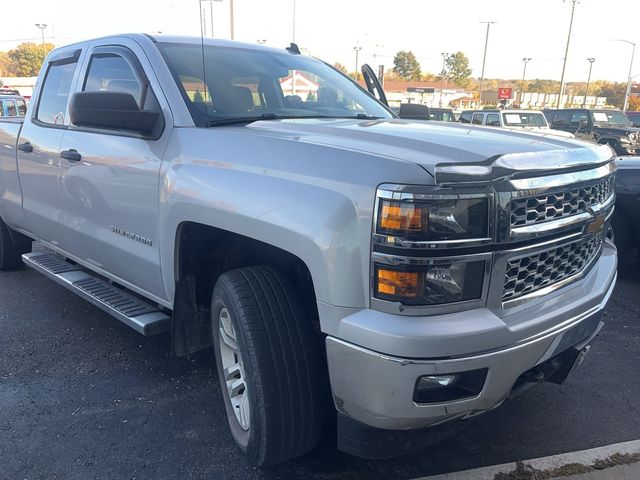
x: 541, y: 208
x: 528, y: 274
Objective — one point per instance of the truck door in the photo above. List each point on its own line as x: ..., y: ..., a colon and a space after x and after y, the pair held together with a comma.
x: 373, y: 84
x: 39, y: 145
x: 109, y: 178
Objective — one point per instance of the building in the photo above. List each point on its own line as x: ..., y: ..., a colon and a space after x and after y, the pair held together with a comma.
x: 429, y: 93
x: 538, y: 101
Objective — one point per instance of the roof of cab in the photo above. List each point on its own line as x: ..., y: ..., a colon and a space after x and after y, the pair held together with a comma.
x: 143, y: 38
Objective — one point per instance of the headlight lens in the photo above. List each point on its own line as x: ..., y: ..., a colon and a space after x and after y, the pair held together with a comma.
x: 436, y: 219
x: 441, y: 282
x: 633, y: 136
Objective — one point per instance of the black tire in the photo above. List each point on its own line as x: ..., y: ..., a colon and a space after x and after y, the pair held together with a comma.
x: 10, y: 250
x: 621, y: 234
x: 282, y: 364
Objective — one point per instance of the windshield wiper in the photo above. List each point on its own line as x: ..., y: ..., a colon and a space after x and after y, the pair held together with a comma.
x: 216, y: 122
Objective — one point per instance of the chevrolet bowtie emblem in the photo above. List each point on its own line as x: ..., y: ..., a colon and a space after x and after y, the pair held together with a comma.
x: 595, y: 225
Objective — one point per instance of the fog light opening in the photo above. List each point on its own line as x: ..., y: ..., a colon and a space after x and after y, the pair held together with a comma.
x: 449, y: 387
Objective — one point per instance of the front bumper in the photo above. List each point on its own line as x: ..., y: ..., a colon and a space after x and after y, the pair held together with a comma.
x: 377, y: 389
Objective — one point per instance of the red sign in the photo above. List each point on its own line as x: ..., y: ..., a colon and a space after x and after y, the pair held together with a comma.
x: 505, y: 93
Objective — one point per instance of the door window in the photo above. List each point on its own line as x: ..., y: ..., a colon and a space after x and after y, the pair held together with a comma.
x: 477, y: 118
x: 465, y: 117
x: 22, y: 107
x: 577, y: 117
x: 55, y: 93
x: 493, y: 120
x: 112, y: 73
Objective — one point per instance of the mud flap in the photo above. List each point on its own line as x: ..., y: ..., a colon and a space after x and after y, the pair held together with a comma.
x: 190, y: 324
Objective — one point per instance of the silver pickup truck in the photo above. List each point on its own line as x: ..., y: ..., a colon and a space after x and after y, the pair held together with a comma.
x: 259, y: 201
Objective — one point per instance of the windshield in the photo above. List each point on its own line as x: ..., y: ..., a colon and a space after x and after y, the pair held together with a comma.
x: 610, y: 117
x: 247, y: 83
x: 524, y: 119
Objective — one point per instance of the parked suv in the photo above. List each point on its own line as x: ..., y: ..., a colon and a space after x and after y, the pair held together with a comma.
x: 611, y: 127
x: 634, y: 117
x: 519, y: 120
x: 12, y: 105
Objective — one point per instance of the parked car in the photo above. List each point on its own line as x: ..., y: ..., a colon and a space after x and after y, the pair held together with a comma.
x: 626, y: 218
x: 414, y: 111
x: 413, y: 272
x: 442, y: 114
x: 634, y: 117
x: 12, y: 105
x: 466, y: 116
x: 529, y: 120
x: 611, y: 127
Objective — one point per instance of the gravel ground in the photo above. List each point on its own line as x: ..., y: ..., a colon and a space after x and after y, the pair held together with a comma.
x: 82, y: 396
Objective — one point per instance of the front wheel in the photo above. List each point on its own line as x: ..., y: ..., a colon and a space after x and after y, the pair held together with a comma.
x: 269, y: 365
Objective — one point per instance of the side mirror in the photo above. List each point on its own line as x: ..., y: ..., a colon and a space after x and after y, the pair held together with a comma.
x: 414, y: 111
x: 110, y: 110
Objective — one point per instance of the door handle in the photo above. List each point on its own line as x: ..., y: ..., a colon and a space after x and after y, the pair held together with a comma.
x: 72, y: 155
x: 25, y: 147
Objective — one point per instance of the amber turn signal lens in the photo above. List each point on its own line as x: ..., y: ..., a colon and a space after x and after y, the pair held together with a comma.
x: 402, y: 217
x: 397, y: 283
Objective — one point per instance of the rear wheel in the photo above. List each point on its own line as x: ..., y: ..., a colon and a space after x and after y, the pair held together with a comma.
x: 11, y: 248
x: 269, y: 365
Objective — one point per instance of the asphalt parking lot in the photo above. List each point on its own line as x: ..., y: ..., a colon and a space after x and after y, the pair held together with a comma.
x: 82, y: 396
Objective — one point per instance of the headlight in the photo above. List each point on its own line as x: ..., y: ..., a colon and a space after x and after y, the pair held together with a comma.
x: 441, y: 282
x: 633, y: 136
x: 410, y: 222
x: 434, y: 219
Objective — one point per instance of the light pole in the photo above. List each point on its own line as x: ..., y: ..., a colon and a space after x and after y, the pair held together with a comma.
x: 566, y: 53
x: 484, y: 60
x: 211, y: 13
x: 357, y: 50
x: 293, y: 36
x: 444, y: 61
x: 42, y: 27
x: 633, y: 53
x: 231, y: 18
x: 525, y: 60
x: 590, y: 60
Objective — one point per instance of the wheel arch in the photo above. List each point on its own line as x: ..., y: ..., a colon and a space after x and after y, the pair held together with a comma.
x: 203, y: 253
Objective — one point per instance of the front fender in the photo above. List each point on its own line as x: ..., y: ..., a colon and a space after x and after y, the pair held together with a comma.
x: 312, y: 201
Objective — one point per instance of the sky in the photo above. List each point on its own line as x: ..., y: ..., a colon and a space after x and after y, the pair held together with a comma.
x: 330, y: 29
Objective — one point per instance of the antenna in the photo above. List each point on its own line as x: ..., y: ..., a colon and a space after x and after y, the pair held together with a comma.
x: 293, y: 48
x: 205, y: 90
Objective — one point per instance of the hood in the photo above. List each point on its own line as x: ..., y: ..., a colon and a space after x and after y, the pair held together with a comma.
x: 620, y: 130
x: 425, y: 143
x: 545, y: 130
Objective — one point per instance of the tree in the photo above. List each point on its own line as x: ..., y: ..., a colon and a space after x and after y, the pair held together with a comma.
x: 457, y: 68
x: 26, y: 59
x: 339, y: 66
x: 406, y: 65
x: 5, y: 64
x: 634, y: 104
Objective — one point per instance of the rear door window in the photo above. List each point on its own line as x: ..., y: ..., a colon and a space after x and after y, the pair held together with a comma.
x: 55, y: 93
x: 22, y: 107
x: 493, y: 120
